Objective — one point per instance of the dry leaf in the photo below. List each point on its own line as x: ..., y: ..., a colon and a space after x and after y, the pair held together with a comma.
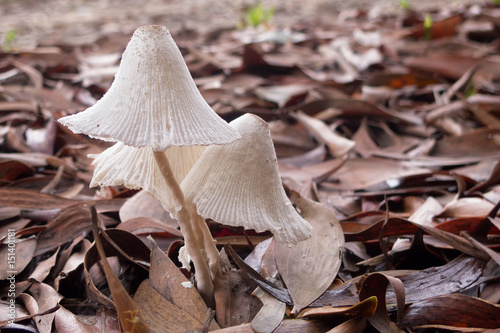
x: 376, y: 284
x: 351, y: 326
x: 337, y: 144
x: 309, y: 267
x: 363, y: 309
x: 23, y: 253
x: 466, y: 207
x: 160, y: 314
x: 66, y: 322
x: 453, y: 310
x: 270, y: 315
x: 46, y: 298
x: 168, y: 281
x: 233, y: 297
x: 128, y: 315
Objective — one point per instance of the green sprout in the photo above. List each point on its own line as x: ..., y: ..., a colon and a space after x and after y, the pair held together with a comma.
x: 256, y: 15
x: 405, y: 4
x: 496, y: 2
x: 427, y: 27
x: 470, y: 89
x: 9, y: 39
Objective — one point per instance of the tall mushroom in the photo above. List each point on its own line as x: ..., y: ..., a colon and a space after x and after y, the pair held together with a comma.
x: 239, y: 184
x: 154, y: 102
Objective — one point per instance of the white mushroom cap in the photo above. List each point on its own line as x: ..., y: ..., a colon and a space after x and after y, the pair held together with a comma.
x: 239, y: 184
x: 153, y: 100
x: 136, y: 168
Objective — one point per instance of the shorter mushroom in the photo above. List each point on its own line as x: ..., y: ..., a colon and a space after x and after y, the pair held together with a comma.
x: 239, y: 185
x: 136, y: 168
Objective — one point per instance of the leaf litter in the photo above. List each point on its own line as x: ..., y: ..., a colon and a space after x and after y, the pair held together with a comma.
x: 386, y: 133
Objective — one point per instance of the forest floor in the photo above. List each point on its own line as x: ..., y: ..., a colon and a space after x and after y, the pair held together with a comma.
x: 79, y: 21
x: 385, y: 126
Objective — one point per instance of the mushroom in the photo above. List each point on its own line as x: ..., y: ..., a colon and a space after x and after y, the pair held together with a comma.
x: 136, y: 168
x: 239, y: 185
x: 154, y: 102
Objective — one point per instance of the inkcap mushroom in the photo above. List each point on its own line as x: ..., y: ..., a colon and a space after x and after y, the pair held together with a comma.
x: 136, y: 168
x: 239, y: 185
x: 154, y: 102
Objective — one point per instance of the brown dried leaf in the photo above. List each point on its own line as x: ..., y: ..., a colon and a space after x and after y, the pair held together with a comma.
x: 354, y: 231
x: 143, y: 224
x: 494, y: 255
x: 28, y: 199
x: 312, y: 157
x: 128, y: 315
x: 233, y: 295
x: 360, y: 173
x: 354, y: 325
x: 455, y: 241
x: 309, y: 267
x: 69, y: 223
x: 33, y: 159
x: 287, y: 326
x: 270, y: 315
x: 6, y: 316
x: 453, y: 310
x: 24, y: 250
x: 363, y: 309
x: 452, y: 66
x: 338, y: 145
x: 376, y: 284
x: 356, y: 108
x: 70, y: 260
x: 161, y: 315
x: 168, y: 281
x: 316, y: 172
x: 67, y: 322
x: 125, y: 246
x: 481, y: 142
x: 455, y: 276
x: 289, y: 139
x: 43, y: 268
x: 254, y: 63
x: 466, y: 207
x: 46, y: 298
x: 73, y: 218
x: 268, y: 262
x: 11, y: 170
x: 345, y: 295
x: 255, y: 258
x: 439, y: 29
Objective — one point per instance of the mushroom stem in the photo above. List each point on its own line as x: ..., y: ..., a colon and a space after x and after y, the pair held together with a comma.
x: 208, y: 241
x: 193, y: 246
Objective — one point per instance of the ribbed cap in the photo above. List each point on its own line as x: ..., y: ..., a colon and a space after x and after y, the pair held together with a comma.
x: 136, y: 168
x: 153, y: 100
x: 239, y: 184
